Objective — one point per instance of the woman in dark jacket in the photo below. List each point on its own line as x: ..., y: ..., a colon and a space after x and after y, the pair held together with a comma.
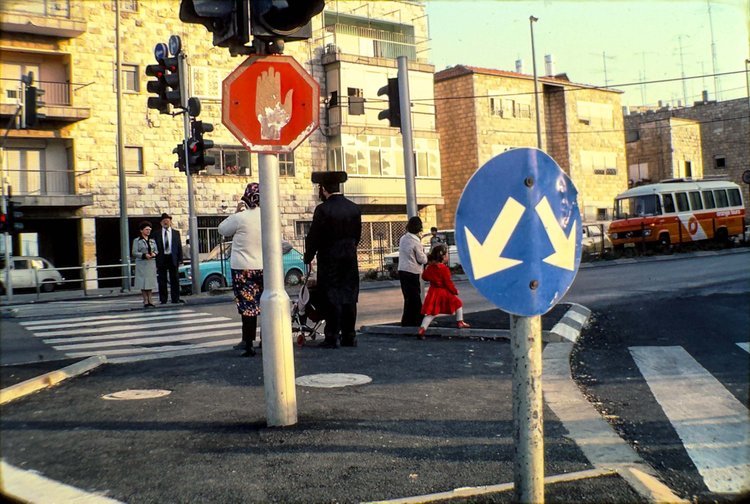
x: 144, y: 252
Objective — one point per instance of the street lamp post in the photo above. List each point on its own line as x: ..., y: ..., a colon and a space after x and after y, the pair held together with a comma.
x: 532, y: 20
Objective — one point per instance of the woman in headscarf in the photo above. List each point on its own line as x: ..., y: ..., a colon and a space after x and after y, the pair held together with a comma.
x: 246, y: 261
x: 144, y: 252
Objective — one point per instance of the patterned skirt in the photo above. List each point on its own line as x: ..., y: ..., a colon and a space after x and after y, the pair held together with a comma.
x: 248, y: 286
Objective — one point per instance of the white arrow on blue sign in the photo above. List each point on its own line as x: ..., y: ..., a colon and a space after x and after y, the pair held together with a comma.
x: 518, y: 231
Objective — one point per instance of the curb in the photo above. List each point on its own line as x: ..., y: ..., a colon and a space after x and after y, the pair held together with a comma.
x: 448, y: 332
x: 29, y: 486
x: 598, y: 441
x: 32, y: 385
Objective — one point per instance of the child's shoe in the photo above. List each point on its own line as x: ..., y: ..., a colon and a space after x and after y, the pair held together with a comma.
x: 462, y: 325
x: 420, y: 333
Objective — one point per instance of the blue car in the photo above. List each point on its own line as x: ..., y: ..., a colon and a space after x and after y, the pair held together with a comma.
x: 216, y: 271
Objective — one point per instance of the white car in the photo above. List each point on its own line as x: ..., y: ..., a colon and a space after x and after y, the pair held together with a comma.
x: 30, y: 271
x: 449, y: 238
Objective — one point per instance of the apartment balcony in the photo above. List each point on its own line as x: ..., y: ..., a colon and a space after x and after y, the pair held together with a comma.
x: 362, y: 44
x: 371, y: 190
x: 57, y: 99
x: 44, y: 187
x: 41, y: 17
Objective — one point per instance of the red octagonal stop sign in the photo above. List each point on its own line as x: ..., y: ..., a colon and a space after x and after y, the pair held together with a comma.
x: 270, y: 103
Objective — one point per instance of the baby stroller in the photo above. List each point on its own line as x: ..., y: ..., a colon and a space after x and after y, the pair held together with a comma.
x: 306, y: 314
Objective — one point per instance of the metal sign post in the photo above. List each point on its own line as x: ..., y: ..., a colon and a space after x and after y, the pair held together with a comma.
x: 520, y: 244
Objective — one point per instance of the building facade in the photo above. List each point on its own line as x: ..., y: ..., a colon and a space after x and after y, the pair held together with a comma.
x: 484, y: 112
x: 64, y: 172
x: 708, y: 140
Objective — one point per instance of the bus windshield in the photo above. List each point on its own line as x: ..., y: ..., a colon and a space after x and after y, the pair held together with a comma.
x: 637, y: 206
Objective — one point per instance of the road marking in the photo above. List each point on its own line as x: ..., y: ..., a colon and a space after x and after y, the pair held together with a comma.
x: 161, y: 349
x: 711, y: 423
x: 148, y: 341
x: 147, y: 332
x: 40, y: 324
x: 745, y: 346
x: 112, y: 328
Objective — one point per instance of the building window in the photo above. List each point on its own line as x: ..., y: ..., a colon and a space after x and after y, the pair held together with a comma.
x: 688, y: 168
x: 286, y: 164
x: 206, y: 82
x: 599, y: 163
x: 133, y: 160
x: 356, y: 101
x: 301, y: 228
x: 377, y: 156
x: 24, y: 169
x: 595, y: 114
x: 720, y: 162
x: 229, y: 161
x: 130, y: 82
x: 127, y: 5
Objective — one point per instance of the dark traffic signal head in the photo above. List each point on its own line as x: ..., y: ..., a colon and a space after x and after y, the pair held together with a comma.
x: 288, y: 20
x: 226, y: 19
x: 3, y: 222
x: 172, y: 77
x: 202, y: 144
x: 180, y: 151
x: 158, y: 87
x: 393, y: 112
x: 32, y: 103
x: 13, y: 218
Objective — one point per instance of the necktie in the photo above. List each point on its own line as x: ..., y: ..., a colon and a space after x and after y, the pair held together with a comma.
x: 166, y: 241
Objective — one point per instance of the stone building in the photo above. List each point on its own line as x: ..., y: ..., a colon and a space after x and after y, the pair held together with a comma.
x: 64, y: 172
x: 708, y: 140
x: 483, y: 112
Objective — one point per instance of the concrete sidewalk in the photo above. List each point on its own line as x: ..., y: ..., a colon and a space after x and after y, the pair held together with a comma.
x: 436, y: 416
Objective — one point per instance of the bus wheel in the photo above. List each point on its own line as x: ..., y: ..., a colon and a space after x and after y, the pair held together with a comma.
x: 722, y: 238
x: 665, y: 244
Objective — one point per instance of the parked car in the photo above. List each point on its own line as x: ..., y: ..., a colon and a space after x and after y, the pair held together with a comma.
x: 595, y: 241
x: 448, y: 236
x: 30, y: 271
x: 216, y: 271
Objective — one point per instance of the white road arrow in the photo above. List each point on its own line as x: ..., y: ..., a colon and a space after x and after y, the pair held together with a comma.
x: 486, y: 258
x: 565, y: 247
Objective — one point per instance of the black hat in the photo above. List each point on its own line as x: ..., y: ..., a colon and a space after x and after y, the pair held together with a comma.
x: 328, y: 177
x: 165, y: 216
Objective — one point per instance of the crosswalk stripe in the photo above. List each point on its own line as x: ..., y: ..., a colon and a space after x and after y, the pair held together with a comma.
x: 143, y: 351
x: 39, y: 324
x: 145, y: 341
x: 153, y: 332
x: 712, y: 424
x: 77, y: 322
x: 745, y: 346
x: 113, y: 328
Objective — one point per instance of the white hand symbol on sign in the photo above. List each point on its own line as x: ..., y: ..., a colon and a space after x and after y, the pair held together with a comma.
x: 271, y: 113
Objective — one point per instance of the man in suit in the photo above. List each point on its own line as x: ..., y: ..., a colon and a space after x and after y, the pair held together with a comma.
x: 334, y: 235
x: 168, y: 258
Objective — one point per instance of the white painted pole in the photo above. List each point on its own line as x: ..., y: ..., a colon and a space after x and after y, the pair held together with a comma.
x: 528, y: 421
x: 406, y: 134
x: 275, y: 315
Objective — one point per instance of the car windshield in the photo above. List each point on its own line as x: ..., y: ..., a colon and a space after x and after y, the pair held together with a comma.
x: 637, y: 206
x: 222, y: 250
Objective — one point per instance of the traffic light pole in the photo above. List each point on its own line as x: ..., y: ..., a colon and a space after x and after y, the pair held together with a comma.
x: 275, y: 321
x: 406, y: 133
x: 192, y: 219
x: 8, y: 245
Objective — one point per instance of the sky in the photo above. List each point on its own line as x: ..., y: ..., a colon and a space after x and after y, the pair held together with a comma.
x: 626, y: 44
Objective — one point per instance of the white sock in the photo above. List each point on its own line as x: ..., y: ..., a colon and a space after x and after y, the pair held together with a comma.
x: 427, y: 320
x: 460, y: 314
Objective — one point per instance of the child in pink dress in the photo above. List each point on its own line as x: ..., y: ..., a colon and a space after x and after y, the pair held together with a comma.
x: 442, y: 298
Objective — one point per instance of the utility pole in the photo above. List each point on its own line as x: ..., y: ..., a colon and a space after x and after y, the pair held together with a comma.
x: 406, y: 133
x: 124, y: 240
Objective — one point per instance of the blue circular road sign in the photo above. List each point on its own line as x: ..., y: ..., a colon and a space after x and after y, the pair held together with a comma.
x: 161, y: 51
x: 518, y: 231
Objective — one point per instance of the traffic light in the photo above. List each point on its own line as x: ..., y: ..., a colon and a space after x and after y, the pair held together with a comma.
x: 172, y: 78
x: 3, y: 222
x: 393, y: 113
x: 13, y: 218
x: 290, y: 20
x: 180, y: 151
x: 158, y: 86
x: 228, y: 20
x: 32, y: 104
x: 197, y: 146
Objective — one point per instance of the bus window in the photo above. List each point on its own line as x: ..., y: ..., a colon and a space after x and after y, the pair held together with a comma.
x: 695, y: 200
x: 708, y: 199
x: 682, y: 201
x: 721, y: 198
x: 668, y: 203
x: 734, y: 197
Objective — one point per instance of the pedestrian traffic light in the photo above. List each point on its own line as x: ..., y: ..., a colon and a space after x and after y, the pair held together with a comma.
x: 158, y: 86
x: 13, y: 219
x: 32, y: 104
x: 180, y: 151
x: 393, y: 112
x: 289, y: 20
x: 3, y: 222
x: 172, y: 78
x: 197, y: 147
x: 228, y: 20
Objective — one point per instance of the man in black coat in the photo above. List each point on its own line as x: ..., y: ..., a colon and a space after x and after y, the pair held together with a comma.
x: 168, y: 259
x: 334, y: 235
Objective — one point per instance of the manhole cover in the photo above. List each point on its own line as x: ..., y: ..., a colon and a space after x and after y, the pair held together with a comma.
x: 332, y: 380
x: 130, y: 395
